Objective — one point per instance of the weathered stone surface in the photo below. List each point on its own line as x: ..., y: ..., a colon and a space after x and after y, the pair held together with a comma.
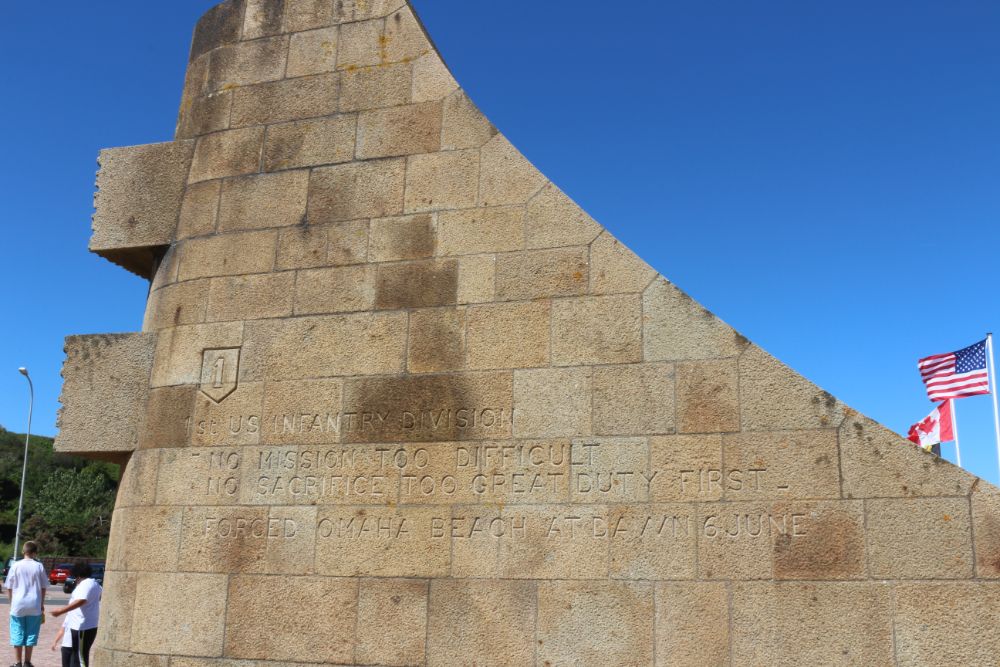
x: 480, y: 230
x: 358, y: 190
x: 178, y: 358
x: 509, y: 335
x: 541, y: 273
x: 482, y: 622
x: 422, y: 284
x: 986, y: 528
x: 210, y: 113
x: 392, y: 621
x: 636, y: 399
x: 707, y: 396
x: 692, y: 624
x: 675, y: 327
x: 312, y: 52
x: 919, y: 538
x: 179, y: 616
x: 173, y: 305
x: 135, y: 550
x: 772, y: 396
x: 265, y: 200
x: 583, y: 623
x: 227, y: 255
x: 506, y: 177
x: 289, y: 99
x: 220, y: 25
x: 464, y: 125
x: 199, y: 209
x: 597, y: 330
x: 688, y: 467
x: 116, y: 613
x: 403, y: 38
x: 105, y: 385
x: 831, y: 546
x: 375, y: 87
x: 403, y: 130
x: 262, y: 18
x: 614, y: 268
x: 406, y: 237
x: 250, y: 297
x: 286, y: 403
x: 812, y: 624
x: 361, y: 45
x: 229, y: 153
x: 555, y: 221
x: 247, y: 63
x: 552, y: 402
x: 446, y: 180
x: 344, y: 289
x: 310, y: 143
x: 947, y: 623
x: 431, y: 79
x: 168, y: 410
x: 782, y: 464
x: 436, y: 340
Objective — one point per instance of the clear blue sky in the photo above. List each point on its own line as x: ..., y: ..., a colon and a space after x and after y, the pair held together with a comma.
x: 825, y: 176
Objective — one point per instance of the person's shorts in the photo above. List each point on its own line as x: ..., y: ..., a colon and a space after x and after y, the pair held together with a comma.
x: 24, y: 630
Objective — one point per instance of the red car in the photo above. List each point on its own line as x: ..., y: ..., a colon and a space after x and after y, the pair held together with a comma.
x: 59, y: 573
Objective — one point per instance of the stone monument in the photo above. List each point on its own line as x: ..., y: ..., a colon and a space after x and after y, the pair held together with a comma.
x: 398, y: 401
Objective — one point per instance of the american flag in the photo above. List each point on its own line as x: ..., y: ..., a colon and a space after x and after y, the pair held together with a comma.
x: 956, y: 374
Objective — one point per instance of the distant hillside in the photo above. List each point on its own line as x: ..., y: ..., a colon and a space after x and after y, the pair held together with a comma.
x: 67, y: 503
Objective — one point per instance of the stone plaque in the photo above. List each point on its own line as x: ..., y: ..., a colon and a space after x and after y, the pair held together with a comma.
x: 399, y: 401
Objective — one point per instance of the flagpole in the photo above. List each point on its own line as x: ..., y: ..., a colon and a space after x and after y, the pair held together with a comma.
x: 954, y: 432
x: 993, y: 391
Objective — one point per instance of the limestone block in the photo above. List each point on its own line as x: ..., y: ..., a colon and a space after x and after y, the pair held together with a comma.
x: 292, y: 540
x: 692, y: 624
x: 264, y: 618
x: 986, y: 526
x: 289, y: 99
x: 481, y: 230
x: 408, y: 237
x: 219, y: 25
x: 357, y: 190
x: 226, y: 540
x: 179, y: 351
x: 347, y: 243
x: 105, y: 385
x: 302, y: 247
x: 919, y: 538
x: 227, y: 255
x: 463, y: 125
x: 403, y: 38
x: 262, y: 18
x: 251, y: 297
x: 635, y: 399
x: 310, y: 143
x: 675, y: 327
x: 166, y: 271
x: 735, y: 539
x: 654, y: 542
x: 831, y: 623
x: 206, y: 114
x: 375, y: 87
x: 167, y: 413
x: 431, y: 79
x: 343, y: 289
x: 506, y: 176
x: 101, y: 656
x: 615, y: 269
x: 583, y: 623
x: 707, y: 396
x: 360, y: 10
x: 361, y: 45
x: 781, y: 464
x: 420, y: 284
x: 428, y: 408
x: 597, y: 330
x: 319, y: 347
x: 312, y: 52
x: 195, y: 87
x: 877, y: 462
x: 509, y: 335
x: 131, y: 548
x: 392, y: 622
x: 116, y: 611
x: 552, y: 402
x: 140, y: 189
x: 445, y: 180
x: 301, y: 15
x: 477, y: 278
x: 263, y: 200
x: 542, y: 273
x: 688, y: 468
x: 247, y: 63
x: 773, y: 396
x: 192, y: 476
x: 287, y: 405
x: 173, y: 305
x: 830, y: 543
x: 229, y: 153
x: 436, y: 340
x: 380, y: 542
x: 609, y: 470
x: 951, y: 624
x: 228, y: 423
x: 137, y: 485
x: 488, y: 623
x: 199, y: 209
x: 529, y: 542
x: 555, y: 221
x: 402, y: 130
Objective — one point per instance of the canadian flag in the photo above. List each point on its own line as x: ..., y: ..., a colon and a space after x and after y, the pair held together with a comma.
x: 934, y: 429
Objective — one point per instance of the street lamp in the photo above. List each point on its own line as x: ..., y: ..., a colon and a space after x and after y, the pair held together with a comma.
x: 24, y: 469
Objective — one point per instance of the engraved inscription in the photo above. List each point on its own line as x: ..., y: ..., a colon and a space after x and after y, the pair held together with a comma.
x: 219, y: 372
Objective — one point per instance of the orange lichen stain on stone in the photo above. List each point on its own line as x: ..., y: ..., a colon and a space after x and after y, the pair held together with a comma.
x: 947, y: 517
x: 383, y: 48
x: 228, y: 86
x: 578, y: 276
x: 351, y: 68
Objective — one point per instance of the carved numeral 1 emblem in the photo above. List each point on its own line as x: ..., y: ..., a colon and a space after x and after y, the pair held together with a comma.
x: 220, y: 372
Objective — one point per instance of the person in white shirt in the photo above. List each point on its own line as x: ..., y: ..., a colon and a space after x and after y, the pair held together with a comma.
x: 26, y: 584
x: 84, y: 608
x: 64, y: 643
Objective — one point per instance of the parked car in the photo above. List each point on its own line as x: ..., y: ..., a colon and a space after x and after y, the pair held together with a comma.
x: 6, y: 568
x: 58, y: 574
x: 97, y: 574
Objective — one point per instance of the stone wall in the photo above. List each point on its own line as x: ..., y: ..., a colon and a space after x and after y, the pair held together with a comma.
x: 407, y: 404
